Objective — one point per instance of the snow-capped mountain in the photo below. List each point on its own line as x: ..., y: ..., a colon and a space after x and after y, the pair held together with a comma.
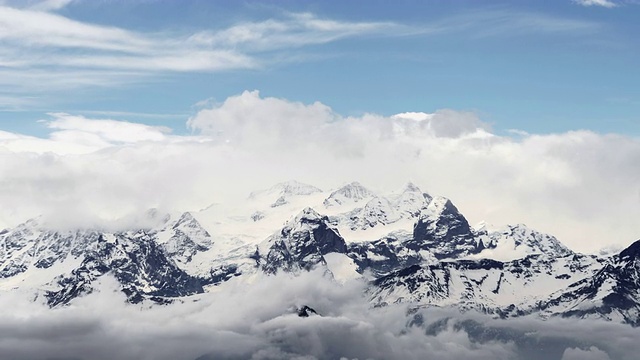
x: 409, y: 246
x: 517, y: 241
x: 380, y: 210
x: 613, y: 292
x: 136, y: 261
x: 443, y: 230
x: 184, y: 238
x: 505, y: 288
x: 281, y: 193
x: 63, y: 264
x: 300, y: 245
x: 30, y: 246
x: 348, y: 194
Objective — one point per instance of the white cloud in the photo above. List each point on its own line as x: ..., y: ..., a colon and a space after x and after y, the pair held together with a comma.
x: 603, y: 3
x: 297, y: 29
x: 79, y: 135
x: 250, y: 120
x: 108, y: 130
x: 579, y: 186
x: 50, y: 5
x: 510, y: 23
x: 592, y: 353
x: 37, y: 28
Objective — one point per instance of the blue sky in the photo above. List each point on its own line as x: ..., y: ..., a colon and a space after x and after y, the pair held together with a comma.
x: 536, y: 66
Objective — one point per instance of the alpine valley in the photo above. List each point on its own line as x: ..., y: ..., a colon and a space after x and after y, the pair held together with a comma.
x: 409, y: 247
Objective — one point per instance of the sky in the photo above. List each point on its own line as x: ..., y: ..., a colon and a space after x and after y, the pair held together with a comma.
x: 520, y: 112
x: 536, y: 66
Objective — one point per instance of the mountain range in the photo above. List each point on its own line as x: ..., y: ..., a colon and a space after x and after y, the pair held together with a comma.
x: 409, y: 247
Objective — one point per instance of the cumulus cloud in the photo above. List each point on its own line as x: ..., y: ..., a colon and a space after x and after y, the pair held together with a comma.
x: 580, y: 186
x: 249, y: 120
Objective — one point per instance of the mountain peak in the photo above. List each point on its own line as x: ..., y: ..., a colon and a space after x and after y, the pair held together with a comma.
x: 294, y: 187
x: 301, y: 244
x: 439, y: 206
x: 411, y: 187
x: 188, y: 221
x: 307, y: 214
x: 443, y: 230
x: 352, y: 192
x: 517, y: 241
x: 286, y: 189
x: 355, y: 188
x: 185, y: 217
x: 186, y: 238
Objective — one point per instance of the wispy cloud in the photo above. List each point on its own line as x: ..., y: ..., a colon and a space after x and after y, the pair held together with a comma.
x: 603, y: 3
x: 133, y: 114
x: 509, y: 23
x: 42, y: 49
x: 48, y: 5
x: 298, y: 29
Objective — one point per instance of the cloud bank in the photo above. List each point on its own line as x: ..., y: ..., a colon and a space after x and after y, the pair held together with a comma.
x: 580, y: 186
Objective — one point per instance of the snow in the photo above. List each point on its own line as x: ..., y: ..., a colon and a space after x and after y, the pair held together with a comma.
x: 375, y: 257
x: 374, y: 233
x: 342, y: 267
x: 38, y: 278
x: 348, y: 195
x: 517, y: 241
x: 110, y: 238
x: 437, y: 206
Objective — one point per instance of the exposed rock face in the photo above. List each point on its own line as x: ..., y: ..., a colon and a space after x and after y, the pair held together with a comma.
x: 306, y: 311
x: 443, y: 230
x: 391, y: 253
x: 146, y: 266
x: 136, y: 261
x: 301, y: 244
